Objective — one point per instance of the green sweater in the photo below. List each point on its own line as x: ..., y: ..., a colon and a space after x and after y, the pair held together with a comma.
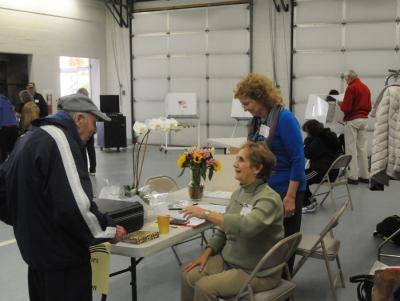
x: 245, y: 239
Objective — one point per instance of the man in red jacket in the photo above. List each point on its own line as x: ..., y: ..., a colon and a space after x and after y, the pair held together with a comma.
x: 356, y: 106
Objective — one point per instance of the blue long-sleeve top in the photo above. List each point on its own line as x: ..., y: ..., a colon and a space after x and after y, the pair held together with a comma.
x: 287, y: 146
x: 7, y: 115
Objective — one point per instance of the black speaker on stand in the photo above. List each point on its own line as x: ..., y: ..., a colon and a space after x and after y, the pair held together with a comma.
x: 112, y: 133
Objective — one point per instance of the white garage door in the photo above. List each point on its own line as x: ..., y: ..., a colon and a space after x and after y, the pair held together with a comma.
x: 331, y: 36
x: 201, y: 50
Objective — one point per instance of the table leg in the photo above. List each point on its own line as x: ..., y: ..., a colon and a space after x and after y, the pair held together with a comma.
x: 133, y: 279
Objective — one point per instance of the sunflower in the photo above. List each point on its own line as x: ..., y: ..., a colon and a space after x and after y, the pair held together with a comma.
x: 217, y: 166
x: 181, y: 160
x: 197, y: 158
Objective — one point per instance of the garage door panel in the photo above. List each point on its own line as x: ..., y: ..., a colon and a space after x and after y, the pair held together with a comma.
x: 188, y: 136
x: 188, y: 43
x: 186, y: 20
x: 228, y: 17
x: 228, y: 41
x: 150, y: 45
x: 149, y: 109
x: 319, y: 9
x: 150, y: 89
x: 188, y: 66
x: 222, y: 89
x: 370, y: 10
x: 314, y: 85
x: 318, y: 37
x: 228, y: 65
x: 196, y: 85
x: 145, y: 67
x: 219, y: 114
x: 320, y: 63
x: 380, y: 36
x: 379, y: 62
x: 149, y: 23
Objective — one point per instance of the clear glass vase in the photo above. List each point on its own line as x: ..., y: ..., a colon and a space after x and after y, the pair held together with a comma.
x: 195, y: 191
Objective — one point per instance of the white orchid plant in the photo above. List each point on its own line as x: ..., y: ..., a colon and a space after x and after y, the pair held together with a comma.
x: 142, y: 131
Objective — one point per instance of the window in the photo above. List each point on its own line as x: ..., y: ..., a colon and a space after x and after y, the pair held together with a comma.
x: 74, y: 74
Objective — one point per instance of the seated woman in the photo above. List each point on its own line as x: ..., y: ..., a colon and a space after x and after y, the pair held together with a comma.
x: 321, y: 147
x: 251, y: 225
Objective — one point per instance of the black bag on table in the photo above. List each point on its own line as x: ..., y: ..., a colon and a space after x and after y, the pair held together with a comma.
x: 387, y: 227
x: 130, y: 215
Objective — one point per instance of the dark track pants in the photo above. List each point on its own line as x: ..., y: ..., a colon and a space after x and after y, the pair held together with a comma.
x: 73, y: 284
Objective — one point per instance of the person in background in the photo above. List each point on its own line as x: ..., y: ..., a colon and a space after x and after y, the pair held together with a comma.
x: 90, y: 144
x: 30, y: 111
x: 8, y: 127
x: 47, y: 196
x: 38, y: 99
x: 279, y: 129
x: 321, y: 147
x: 254, y: 215
x: 356, y: 106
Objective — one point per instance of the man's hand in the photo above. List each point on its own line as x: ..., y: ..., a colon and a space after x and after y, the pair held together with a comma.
x: 119, y: 234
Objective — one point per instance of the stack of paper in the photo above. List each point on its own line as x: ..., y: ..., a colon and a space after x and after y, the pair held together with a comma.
x: 218, y: 194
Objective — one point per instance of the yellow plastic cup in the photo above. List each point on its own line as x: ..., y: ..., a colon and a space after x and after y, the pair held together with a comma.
x: 163, y: 223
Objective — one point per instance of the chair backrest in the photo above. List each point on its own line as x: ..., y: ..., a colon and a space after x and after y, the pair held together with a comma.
x: 224, y: 180
x: 276, y: 257
x: 161, y: 184
x: 341, y: 163
x: 334, y: 221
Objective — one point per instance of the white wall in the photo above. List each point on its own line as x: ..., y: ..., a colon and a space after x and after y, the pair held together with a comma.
x: 47, y: 29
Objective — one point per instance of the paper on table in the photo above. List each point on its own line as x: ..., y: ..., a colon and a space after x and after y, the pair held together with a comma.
x: 218, y: 194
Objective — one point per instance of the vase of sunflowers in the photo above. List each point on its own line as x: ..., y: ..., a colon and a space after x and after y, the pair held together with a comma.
x: 202, y: 165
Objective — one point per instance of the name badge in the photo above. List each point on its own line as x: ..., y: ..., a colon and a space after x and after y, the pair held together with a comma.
x: 36, y: 100
x: 264, y: 130
x: 246, y: 209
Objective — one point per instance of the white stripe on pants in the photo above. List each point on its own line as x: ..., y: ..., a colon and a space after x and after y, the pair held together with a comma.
x: 355, y: 136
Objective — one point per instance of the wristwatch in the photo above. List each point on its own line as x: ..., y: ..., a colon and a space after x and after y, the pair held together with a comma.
x: 206, y: 214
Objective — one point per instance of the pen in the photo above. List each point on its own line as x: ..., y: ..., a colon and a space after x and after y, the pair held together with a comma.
x: 175, y: 208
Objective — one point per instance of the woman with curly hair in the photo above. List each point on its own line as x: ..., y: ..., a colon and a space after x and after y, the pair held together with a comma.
x: 279, y: 129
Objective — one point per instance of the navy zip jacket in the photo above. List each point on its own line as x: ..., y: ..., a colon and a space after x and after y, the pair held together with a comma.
x: 46, y: 195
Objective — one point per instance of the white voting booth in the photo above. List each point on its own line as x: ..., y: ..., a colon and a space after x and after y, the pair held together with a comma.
x: 239, y: 114
x: 325, y: 112
x: 184, y: 106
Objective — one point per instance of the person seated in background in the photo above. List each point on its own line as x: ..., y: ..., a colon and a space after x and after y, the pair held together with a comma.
x: 8, y: 126
x: 321, y: 147
x: 90, y: 143
x: 254, y: 215
x: 30, y: 111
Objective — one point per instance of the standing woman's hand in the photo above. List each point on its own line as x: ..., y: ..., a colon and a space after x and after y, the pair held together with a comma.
x: 289, y: 204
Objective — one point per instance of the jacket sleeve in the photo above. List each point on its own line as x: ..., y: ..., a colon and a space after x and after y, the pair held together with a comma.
x: 347, y: 104
x: 4, y: 212
x: 312, y: 149
x: 71, y: 205
x: 292, y: 140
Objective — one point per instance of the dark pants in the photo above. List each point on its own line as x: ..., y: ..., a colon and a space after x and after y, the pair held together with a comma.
x: 292, y: 224
x: 92, y: 154
x: 72, y: 284
x: 8, y: 137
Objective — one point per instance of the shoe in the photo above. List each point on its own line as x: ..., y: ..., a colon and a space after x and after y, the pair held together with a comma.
x: 310, y: 208
x: 362, y: 180
x: 92, y: 174
x: 352, y: 182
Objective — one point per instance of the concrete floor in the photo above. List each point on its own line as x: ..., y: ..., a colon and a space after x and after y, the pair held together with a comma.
x: 159, y: 276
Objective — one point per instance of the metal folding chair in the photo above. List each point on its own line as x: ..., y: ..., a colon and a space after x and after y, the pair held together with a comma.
x: 164, y: 184
x: 276, y: 257
x: 324, y: 247
x: 341, y: 164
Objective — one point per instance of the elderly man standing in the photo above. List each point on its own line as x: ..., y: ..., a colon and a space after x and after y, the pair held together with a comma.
x: 38, y: 98
x: 356, y: 106
x: 46, y: 195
